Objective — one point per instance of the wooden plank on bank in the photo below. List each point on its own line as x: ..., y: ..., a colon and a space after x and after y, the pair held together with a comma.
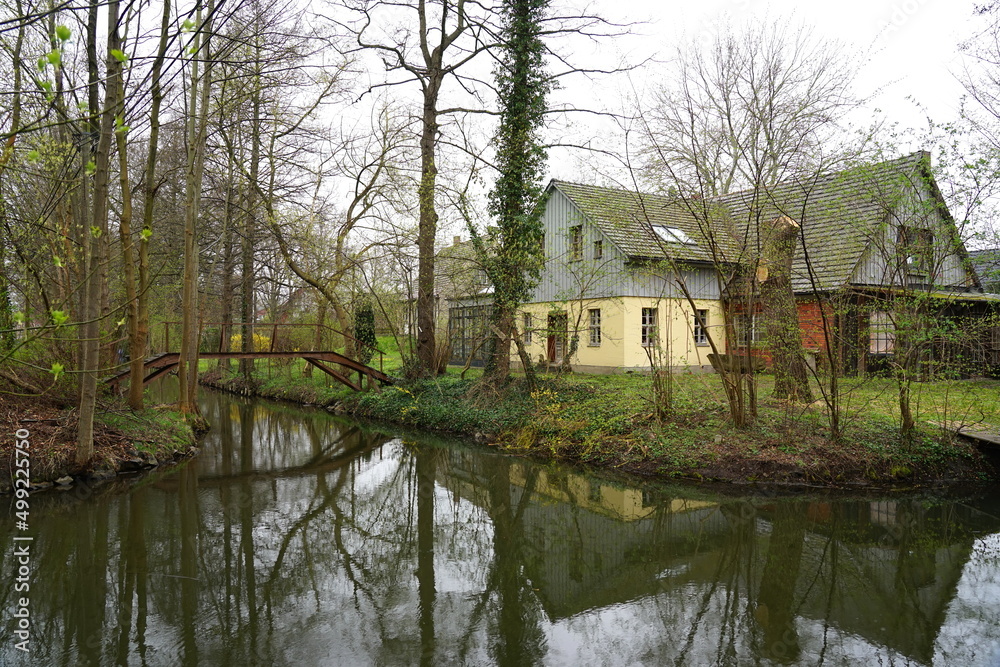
x: 988, y: 435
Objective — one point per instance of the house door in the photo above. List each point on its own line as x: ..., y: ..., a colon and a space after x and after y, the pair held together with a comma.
x: 558, y: 324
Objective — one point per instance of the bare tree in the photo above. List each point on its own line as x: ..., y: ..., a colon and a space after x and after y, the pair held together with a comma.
x: 754, y: 107
x: 449, y: 34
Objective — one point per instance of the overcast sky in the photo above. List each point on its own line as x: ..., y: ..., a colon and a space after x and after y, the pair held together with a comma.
x: 911, y: 47
x: 913, y: 43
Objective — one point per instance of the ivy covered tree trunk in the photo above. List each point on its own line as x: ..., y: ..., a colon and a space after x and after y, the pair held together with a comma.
x: 791, y: 380
x: 514, y: 260
x: 364, y: 331
x: 427, y: 227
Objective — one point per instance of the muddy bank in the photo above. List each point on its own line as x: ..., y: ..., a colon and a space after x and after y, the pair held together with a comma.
x: 125, y: 442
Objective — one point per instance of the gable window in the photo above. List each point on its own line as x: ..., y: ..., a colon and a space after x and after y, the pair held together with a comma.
x: 700, y: 332
x: 649, y: 333
x: 576, y: 242
x: 598, y: 249
x: 881, y: 333
x: 673, y: 235
x: 526, y: 331
x: 595, y: 327
x: 916, y: 245
x: 746, y: 329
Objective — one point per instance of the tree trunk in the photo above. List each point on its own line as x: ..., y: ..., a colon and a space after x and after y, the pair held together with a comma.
x: 137, y: 344
x: 149, y: 191
x: 247, y: 365
x: 427, y: 229
x: 94, y: 238
x: 197, y: 126
x: 318, y: 338
x: 791, y: 380
x: 498, y: 364
x: 228, y: 266
x: 6, y: 314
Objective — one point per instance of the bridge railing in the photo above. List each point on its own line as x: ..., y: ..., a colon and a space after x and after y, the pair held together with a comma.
x: 222, y: 332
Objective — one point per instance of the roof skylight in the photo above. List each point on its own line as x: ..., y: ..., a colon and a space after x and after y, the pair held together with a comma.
x: 673, y: 235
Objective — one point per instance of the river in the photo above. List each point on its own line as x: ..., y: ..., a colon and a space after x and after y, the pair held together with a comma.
x: 300, y: 538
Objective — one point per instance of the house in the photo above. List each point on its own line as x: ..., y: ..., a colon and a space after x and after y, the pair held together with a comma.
x: 878, y: 253
x: 607, y: 299
x: 635, y: 281
x: 987, y: 265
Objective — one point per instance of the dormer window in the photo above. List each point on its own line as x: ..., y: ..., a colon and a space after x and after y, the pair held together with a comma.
x: 673, y: 235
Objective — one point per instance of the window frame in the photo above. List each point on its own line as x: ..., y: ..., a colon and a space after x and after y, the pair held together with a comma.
x: 881, y: 333
x: 576, y: 243
x: 916, y: 246
x: 740, y: 323
x: 649, y: 334
x: 594, y: 327
x: 527, y: 324
x: 700, y: 333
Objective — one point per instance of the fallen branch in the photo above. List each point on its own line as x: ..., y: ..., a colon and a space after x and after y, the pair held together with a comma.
x: 18, y: 382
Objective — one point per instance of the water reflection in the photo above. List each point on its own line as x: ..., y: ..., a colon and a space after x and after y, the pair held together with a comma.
x: 300, y: 539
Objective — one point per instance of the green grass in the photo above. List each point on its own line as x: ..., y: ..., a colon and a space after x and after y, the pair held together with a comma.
x: 151, y: 430
x: 611, y: 420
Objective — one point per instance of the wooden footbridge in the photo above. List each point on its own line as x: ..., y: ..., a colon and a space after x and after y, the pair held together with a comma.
x: 160, y: 364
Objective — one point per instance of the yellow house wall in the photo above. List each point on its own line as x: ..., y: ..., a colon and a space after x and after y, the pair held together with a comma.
x: 621, y: 327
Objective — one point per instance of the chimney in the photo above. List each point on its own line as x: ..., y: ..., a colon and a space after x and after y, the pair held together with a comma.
x: 456, y: 240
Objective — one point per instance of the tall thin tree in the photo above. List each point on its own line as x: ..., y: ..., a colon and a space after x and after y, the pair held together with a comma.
x: 514, y: 262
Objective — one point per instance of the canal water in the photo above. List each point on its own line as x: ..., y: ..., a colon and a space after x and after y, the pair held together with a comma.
x: 299, y: 538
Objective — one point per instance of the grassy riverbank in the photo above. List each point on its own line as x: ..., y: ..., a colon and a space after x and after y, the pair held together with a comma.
x: 123, y: 440
x: 609, y: 421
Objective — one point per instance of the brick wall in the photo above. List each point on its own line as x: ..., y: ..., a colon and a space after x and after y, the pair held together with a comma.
x: 811, y: 327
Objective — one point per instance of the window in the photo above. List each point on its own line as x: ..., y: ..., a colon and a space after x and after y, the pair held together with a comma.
x: 700, y: 332
x: 595, y: 492
x: 576, y: 242
x: 673, y: 235
x: 541, y: 242
x: 649, y: 333
x: 467, y: 331
x: 881, y: 333
x: 598, y: 249
x: 917, y: 246
x: 746, y: 325
x: 526, y: 331
x: 595, y: 326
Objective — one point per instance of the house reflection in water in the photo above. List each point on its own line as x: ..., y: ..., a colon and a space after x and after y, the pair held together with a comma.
x: 779, y: 578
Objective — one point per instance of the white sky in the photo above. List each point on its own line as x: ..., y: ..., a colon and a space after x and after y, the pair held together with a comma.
x: 912, y: 47
x: 913, y: 43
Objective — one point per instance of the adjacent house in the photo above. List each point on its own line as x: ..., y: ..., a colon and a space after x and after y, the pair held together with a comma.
x: 987, y: 265
x: 634, y: 281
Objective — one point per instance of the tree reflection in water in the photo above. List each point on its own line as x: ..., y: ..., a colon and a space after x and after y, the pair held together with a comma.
x: 297, y: 538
